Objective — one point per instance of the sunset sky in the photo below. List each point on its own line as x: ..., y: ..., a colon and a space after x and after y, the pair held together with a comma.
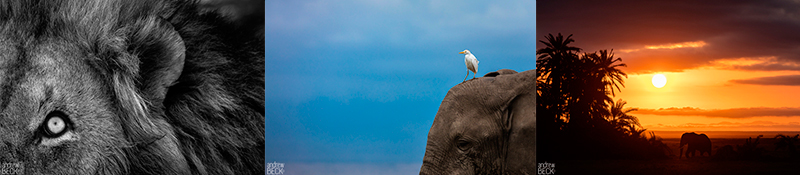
x: 730, y: 65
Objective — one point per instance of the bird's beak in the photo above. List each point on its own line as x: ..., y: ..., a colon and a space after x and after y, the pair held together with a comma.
x: 462, y: 52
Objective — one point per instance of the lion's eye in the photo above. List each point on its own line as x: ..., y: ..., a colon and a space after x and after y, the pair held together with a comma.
x: 55, y: 124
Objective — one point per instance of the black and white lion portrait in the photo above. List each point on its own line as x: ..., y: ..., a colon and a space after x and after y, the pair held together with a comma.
x: 131, y: 87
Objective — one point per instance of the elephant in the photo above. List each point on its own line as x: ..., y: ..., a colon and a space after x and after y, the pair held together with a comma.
x: 485, y: 126
x: 725, y: 153
x: 696, y: 142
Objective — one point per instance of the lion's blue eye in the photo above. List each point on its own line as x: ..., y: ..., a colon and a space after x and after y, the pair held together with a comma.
x: 55, y: 124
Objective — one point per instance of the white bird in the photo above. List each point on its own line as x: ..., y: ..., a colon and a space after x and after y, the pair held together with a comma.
x: 472, y: 63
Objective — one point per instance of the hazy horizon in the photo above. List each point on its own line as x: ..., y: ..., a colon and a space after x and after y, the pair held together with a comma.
x: 723, y: 134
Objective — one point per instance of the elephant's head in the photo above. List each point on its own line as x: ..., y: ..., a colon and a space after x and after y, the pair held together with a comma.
x: 686, y: 138
x: 485, y: 126
x: 696, y: 142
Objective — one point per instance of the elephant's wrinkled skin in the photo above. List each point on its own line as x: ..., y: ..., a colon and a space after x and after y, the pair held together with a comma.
x: 485, y: 126
x: 696, y: 142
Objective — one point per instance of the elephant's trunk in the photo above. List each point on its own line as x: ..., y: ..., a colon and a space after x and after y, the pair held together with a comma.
x: 428, y: 165
x: 423, y: 171
x: 683, y: 143
x: 427, y: 169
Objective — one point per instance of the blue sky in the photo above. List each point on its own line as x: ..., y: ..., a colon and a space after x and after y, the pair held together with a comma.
x: 361, y: 81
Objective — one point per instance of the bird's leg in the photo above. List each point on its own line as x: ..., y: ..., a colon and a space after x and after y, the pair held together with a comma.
x: 465, y: 78
x: 473, y: 75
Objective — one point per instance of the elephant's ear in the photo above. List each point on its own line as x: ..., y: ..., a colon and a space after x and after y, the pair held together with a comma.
x: 520, y: 126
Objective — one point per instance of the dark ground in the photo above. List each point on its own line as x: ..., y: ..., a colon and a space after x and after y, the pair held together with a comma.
x: 702, y: 165
x: 775, y: 162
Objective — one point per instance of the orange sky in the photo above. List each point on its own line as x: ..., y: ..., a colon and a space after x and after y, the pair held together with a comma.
x: 710, y: 89
x: 732, y: 66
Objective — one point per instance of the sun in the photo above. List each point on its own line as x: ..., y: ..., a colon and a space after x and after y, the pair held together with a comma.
x: 659, y: 80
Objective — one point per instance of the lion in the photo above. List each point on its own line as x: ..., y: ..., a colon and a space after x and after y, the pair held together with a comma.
x: 129, y: 87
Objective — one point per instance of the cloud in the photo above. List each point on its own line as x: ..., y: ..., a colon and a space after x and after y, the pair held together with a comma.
x: 726, y: 125
x: 783, y: 80
x: 770, y: 67
x: 733, y: 29
x: 725, y: 113
x: 767, y: 63
x: 693, y: 44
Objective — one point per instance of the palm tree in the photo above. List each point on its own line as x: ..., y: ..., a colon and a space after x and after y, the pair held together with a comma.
x: 576, y: 88
x: 602, y: 77
x: 574, y: 100
x: 620, y: 118
x: 612, y: 76
x: 554, y: 69
x: 553, y: 66
x: 586, y: 95
x: 552, y: 58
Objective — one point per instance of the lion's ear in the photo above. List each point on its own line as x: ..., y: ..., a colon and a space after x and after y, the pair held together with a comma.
x: 161, y: 53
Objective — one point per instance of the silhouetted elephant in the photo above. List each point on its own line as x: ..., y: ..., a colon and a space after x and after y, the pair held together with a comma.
x: 725, y: 153
x: 696, y: 143
x: 485, y: 126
